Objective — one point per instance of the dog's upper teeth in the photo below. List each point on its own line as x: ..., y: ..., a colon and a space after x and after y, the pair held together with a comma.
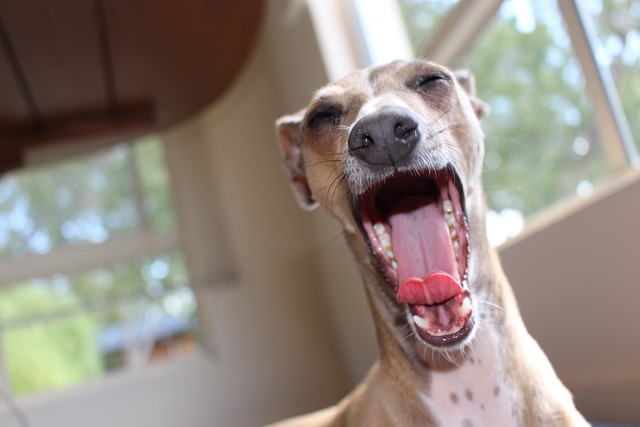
x: 450, y: 218
x: 385, y: 241
x: 453, y: 233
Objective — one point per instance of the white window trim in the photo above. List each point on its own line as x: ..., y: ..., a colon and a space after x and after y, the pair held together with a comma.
x: 73, y: 259
x: 342, y: 27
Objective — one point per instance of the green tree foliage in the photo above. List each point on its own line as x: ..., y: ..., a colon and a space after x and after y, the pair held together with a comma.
x: 47, y: 355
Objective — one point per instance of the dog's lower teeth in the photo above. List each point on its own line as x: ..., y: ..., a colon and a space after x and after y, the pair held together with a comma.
x: 421, y: 323
x: 425, y: 324
x: 465, y: 308
x: 448, y: 206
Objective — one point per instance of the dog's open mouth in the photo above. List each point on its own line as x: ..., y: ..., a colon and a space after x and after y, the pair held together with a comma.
x: 417, y: 229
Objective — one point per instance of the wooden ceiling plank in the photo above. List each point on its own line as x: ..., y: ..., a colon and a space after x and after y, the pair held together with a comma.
x: 156, y: 59
x: 56, y: 44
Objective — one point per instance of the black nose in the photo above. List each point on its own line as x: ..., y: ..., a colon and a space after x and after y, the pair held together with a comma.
x: 385, y: 137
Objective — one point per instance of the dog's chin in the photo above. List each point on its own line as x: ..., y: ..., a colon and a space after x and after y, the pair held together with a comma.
x: 417, y: 230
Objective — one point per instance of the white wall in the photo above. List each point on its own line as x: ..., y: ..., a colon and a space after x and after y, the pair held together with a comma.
x: 578, y: 287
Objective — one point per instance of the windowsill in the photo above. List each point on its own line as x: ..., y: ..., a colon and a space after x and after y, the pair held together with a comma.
x: 118, y: 379
x: 567, y: 207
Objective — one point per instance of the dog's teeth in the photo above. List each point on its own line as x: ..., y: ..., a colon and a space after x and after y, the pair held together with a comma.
x: 394, y: 264
x: 448, y: 206
x: 426, y: 325
x: 465, y: 308
x: 451, y: 220
x: 385, y: 242
x: 453, y: 330
x: 421, y: 323
x: 453, y: 233
x: 456, y: 247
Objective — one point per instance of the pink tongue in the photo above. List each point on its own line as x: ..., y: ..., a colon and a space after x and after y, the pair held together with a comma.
x: 427, y: 268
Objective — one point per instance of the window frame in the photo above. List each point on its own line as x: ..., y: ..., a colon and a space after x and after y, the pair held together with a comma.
x: 187, y: 178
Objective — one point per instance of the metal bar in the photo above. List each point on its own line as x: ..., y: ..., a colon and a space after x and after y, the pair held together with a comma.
x: 459, y: 29
x: 609, y: 116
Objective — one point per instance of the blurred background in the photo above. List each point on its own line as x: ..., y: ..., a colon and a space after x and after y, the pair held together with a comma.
x: 154, y: 267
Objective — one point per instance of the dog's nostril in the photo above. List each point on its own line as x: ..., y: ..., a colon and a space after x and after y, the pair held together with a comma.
x: 404, y: 131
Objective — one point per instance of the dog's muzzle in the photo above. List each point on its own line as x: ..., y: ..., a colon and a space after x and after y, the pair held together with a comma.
x: 413, y: 218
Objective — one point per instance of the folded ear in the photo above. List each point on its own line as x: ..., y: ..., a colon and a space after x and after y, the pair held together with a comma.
x: 468, y: 82
x: 289, y: 133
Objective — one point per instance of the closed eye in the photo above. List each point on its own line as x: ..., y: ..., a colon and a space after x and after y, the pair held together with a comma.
x: 428, y: 81
x: 324, y: 115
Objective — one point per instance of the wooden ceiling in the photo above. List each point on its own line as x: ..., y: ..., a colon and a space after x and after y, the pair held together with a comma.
x: 81, y: 70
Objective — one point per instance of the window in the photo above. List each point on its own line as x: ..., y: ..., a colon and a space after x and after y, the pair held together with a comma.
x: 617, y: 24
x: 555, y: 131
x: 93, y: 277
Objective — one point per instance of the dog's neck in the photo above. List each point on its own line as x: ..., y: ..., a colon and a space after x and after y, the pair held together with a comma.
x: 472, y: 386
x: 464, y: 385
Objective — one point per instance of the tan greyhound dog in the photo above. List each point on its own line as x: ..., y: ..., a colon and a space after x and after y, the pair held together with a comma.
x: 395, y: 153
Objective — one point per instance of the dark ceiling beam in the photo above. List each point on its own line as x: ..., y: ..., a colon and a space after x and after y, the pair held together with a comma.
x: 20, y: 78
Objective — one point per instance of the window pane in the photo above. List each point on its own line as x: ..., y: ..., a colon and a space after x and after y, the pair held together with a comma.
x: 63, y: 330
x: 542, y: 144
x: 618, y: 26
x: 85, y: 200
x: 149, y: 157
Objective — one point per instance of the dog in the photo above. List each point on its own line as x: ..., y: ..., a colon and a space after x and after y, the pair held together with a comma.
x: 395, y: 153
